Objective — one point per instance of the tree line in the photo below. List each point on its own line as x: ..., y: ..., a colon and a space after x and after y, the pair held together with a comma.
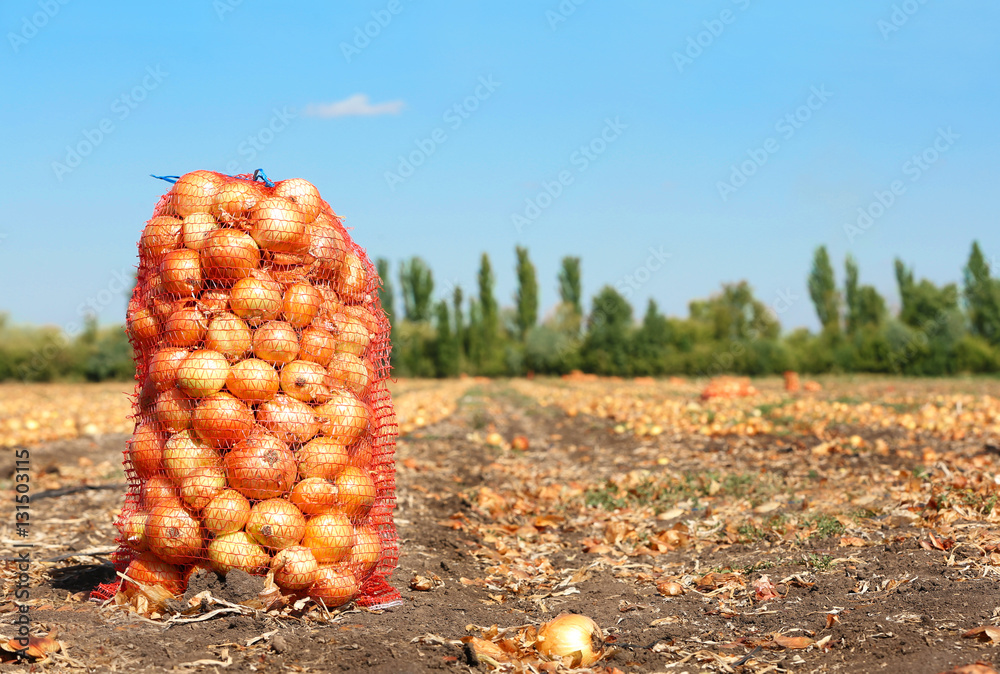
x: 937, y: 330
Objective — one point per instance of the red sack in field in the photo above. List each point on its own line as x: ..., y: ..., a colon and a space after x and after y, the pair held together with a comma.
x: 264, y: 431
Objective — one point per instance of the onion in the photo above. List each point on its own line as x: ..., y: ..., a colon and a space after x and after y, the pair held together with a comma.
x: 294, y: 567
x: 222, y: 419
x: 291, y: 420
x: 361, y: 453
x: 276, y: 342
x: 344, y: 417
x: 352, y: 279
x: 348, y: 371
x: 314, y: 496
x: 352, y: 335
x: 356, y: 492
x: 234, y: 200
x: 173, y: 535
x: 260, y: 467
x: 145, y: 450
x: 571, y: 635
x: 164, y: 304
x: 184, y: 452
x: 366, y: 551
x: 256, y: 299
x: 229, y: 254
x: 317, y: 345
x: 142, y: 325
x: 227, y: 512
x: 329, y: 536
x: 203, y: 373
x: 276, y: 524
x: 326, y: 245
x: 334, y: 586
x: 173, y: 410
x: 195, y: 230
x: 366, y: 316
x: 194, y: 192
x: 213, y: 301
x: 180, y: 272
x: 300, y: 304
x: 279, y: 225
x: 159, y: 491
x: 305, y: 381
x: 229, y: 335
x: 163, y: 367
x: 253, y: 380
x: 147, y: 569
x: 301, y: 192
x: 161, y: 234
x: 322, y: 457
x: 331, y: 305
x: 201, y: 485
x: 133, y: 530
x: 236, y: 550
x: 184, y: 327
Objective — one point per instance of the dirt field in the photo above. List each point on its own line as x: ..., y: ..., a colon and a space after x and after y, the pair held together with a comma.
x: 852, y: 529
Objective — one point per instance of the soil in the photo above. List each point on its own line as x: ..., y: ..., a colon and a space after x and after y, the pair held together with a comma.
x: 913, y: 627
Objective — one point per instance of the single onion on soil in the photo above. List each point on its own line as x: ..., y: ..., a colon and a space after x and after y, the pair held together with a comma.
x: 229, y: 335
x: 256, y: 299
x: 300, y: 304
x: 253, y: 380
x: 227, y: 512
x: 203, y: 373
x: 348, y: 371
x: 276, y: 524
x: 260, y: 467
x: 145, y: 450
x: 322, y: 457
x: 291, y: 420
x: 236, y: 550
x: 180, y: 272
x: 173, y: 410
x: 366, y: 551
x: 356, y: 492
x: 571, y: 635
x: 222, y: 419
x: 314, y: 496
x: 276, y: 342
x: 294, y: 567
x: 335, y: 585
x: 229, y: 254
x: 329, y: 536
x: 305, y: 381
x: 195, y: 230
x: 344, y: 417
x: 148, y: 569
x: 173, y: 535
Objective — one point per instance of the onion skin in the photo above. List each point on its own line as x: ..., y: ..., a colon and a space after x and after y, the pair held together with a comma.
x: 261, y: 467
x: 173, y: 410
x: 195, y: 230
x: 335, y: 586
x: 194, y: 192
x: 229, y: 335
x: 300, y: 304
x: 344, y: 417
x: 366, y: 552
x: 236, y: 550
x: 348, y: 371
x: 291, y: 420
x: 256, y: 299
x: 276, y: 524
x: 326, y: 245
x: 317, y: 345
x: 173, y: 535
x: 185, y: 452
x: 252, y: 380
x: 353, y: 336
x: 323, y: 458
x: 142, y: 325
x: 330, y: 537
x: 222, y: 419
x: 185, y: 327
x: 571, y: 635
x: 229, y: 255
x: 163, y: 366
x: 352, y: 279
x: 356, y: 491
x: 295, y: 568
x: 213, y: 301
x: 133, y: 530
x: 226, y: 513
x: 201, y: 485
x: 203, y: 373
x: 301, y: 192
x: 279, y: 225
x: 314, y: 496
x: 159, y: 491
x: 145, y: 450
x: 305, y: 381
x: 180, y: 271
x: 161, y: 234
x: 234, y: 200
x: 276, y: 342
x: 147, y: 569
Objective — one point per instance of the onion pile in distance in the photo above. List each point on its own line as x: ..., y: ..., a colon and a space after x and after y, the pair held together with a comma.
x: 254, y: 323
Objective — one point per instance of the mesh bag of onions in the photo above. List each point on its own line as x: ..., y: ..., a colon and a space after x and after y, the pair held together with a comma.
x: 264, y: 430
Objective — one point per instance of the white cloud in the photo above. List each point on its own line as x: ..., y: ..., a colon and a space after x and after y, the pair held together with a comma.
x: 357, y: 105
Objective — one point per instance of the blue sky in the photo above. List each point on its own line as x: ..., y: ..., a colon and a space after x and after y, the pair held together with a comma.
x: 663, y: 129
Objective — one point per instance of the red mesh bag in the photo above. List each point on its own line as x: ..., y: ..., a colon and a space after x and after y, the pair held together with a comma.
x: 264, y: 431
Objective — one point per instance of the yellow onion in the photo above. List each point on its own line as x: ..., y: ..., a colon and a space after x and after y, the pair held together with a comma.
x: 213, y: 301
x: 180, y: 272
x: 344, y: 417
x: 352, y: 334
x: 161, y: 234
x: 356, y: 492
x: 221, y: 419
x: 301, y: 192
x: 173, y: 535
x: 329, y: 536
x: 236, y: 550
x: 294, y: 568
x: 362, y: 453
x: 300, y: 304
x: 203, y: 373
x: 173, y: 410
x: 260, y: 467
x: 571, y: 635
x: 317, y: 345
x: 201, y: 485
x: 366, y: 551
x: 348, y: 371
x: 305, y: 381
x: 147, y: 569
x: 185, y: 327
x: 279, y: 225
x: 367, y: 317
x: 145, y: 450
x: 229, y: 335
x: 326, y: 245
x: 133, y: 529
x: 159, y: 491
x: 335, y: 585
x: 234, y: 200
x: 184, y: 452
x: 195, y: 230
x: 227, y: 512
x: 229, y: 254
x: 256, y: 299
x: 163, y: 366
x: 194, y: 192
x: 276, y: 342
x: 253, y: 381
x: 322, y: 457
x: 291, y: 420
x: 276, y: 524
x: 142, y: 325
x: 164, y: 304
x: 314, y: 496
x: 352, y: 279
